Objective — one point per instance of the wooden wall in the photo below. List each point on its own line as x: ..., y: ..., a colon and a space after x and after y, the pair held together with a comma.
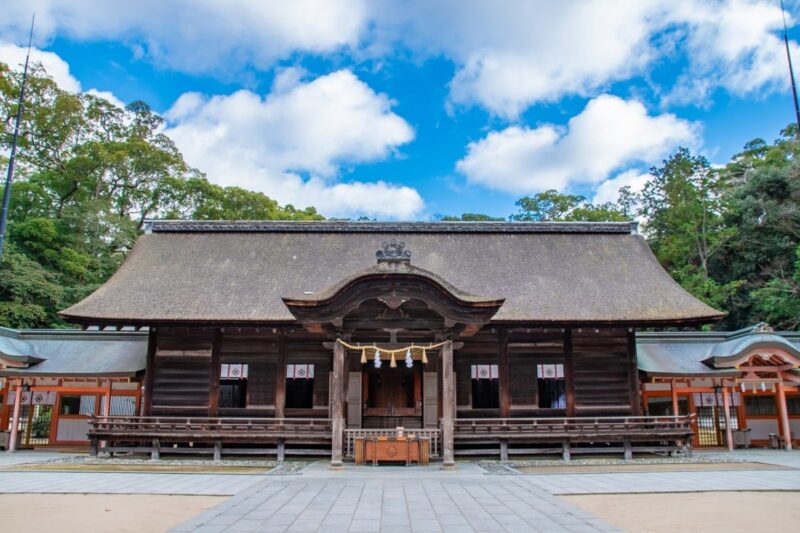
x: 184, y: 367
x: 601, y: 370
x: 180, y: 372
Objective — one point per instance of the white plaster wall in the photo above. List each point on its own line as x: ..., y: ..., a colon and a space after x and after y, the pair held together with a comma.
x: 72, y: 429
x: 761, y: 428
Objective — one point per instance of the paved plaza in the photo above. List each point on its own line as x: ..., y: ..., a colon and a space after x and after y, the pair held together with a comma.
x: 388, y: 499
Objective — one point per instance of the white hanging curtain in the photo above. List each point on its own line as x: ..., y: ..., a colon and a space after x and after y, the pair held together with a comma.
x: 485, y: 372
x: 300, y: 371
x: 43, y: 398
x: 233, y: 371
x: 554, y: 371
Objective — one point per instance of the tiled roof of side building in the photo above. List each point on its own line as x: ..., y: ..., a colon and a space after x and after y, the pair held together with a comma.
x: 64, y: 353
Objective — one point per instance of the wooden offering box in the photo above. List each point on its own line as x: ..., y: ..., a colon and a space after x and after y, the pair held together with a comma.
x: 392, y: 449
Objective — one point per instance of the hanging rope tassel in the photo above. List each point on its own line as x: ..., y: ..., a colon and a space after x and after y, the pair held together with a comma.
x: 424, y: 357
x: 363, y: 356
x: 393, y: 363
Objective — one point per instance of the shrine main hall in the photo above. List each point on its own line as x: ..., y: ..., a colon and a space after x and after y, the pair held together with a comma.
x: 312, y: 337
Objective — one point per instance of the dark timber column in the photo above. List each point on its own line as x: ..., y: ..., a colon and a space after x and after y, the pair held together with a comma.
x: 448, y: 405
x: 633, y: 376
x: 213, y: 385
x: 337, y: 409
x: 280, y: 378
x: 150, y: 372
x: 569, y: 372
x: 505, y: 377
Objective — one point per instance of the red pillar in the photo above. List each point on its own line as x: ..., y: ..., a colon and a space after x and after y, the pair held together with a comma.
x: 784, y: 414
x: 726, y: 404
x: 12, y: 444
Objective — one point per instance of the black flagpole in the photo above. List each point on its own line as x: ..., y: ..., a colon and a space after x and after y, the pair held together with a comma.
x: 791, y: 72
x: 12, y: 157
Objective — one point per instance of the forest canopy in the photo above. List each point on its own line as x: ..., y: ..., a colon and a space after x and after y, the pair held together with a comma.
x: 89, y: 173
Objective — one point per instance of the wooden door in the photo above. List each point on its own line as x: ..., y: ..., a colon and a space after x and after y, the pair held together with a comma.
x: 354, y: 401
x: 430, y: 400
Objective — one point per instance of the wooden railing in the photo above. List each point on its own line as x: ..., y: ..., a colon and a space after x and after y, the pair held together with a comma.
x: 203, y: 428
x: 611, y: 434
x: 581, y: 427
x: 434, y: 435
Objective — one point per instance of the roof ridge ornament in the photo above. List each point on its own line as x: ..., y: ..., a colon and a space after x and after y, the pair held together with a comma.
x: 393, y: 251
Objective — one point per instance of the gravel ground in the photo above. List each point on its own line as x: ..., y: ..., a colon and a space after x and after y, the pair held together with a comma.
x: 275, y: 468
x: 510, y: 467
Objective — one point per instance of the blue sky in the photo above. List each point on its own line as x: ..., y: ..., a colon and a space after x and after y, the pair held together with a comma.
x: 411, y: 109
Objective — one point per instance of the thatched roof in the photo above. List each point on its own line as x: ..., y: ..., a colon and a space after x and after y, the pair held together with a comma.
x: 72, y: 353
x: 238, y: 272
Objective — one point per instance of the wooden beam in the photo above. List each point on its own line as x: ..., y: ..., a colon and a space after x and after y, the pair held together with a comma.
x: 633, y: 376
x: 150, y: 371
x: 213, y: 383
x: 280, y: 378
x: 337, y: 409
x: 569, y: 372
x: 448, y: 406
x: 505, y: 376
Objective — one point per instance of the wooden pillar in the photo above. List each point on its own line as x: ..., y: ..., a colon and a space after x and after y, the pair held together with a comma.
x: 674, y: 392
x: 569, y: 372
x: 337, y: 407
x: 784, y: 414
x: 213, y: 379
x: 505, y: 376
x: 280, y: 378
x: 633, y: 376
x: 150, y: 371
x: 448, y: 406
x: 12, y: 442
x: 726, y: 405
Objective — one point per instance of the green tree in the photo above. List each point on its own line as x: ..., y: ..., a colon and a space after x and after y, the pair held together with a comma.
x: 472, y: 217
x: 683, y: 205
x: 552, y: 206
x: 89, y: 173
x: 778, y: 301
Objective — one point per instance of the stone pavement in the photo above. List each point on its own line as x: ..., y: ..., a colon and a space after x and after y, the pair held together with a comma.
x: 366, y: 498
x: 395, y: 504
x: 640, y: 482
x: 126, y: 483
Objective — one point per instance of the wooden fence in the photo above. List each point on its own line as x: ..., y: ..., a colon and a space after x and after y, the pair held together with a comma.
x: 350, y: 435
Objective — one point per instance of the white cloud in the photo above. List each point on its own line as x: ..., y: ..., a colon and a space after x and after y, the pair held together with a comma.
x: 198, y: 35
x: 609, y: 134
x: 540, y: 51
x: 313, y: 128
x: 57, y: 68
x: 513, y: 54
x: 734, y: 45
x: 107, y: 96
x: 608, y: 191
x: 507, y: 55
